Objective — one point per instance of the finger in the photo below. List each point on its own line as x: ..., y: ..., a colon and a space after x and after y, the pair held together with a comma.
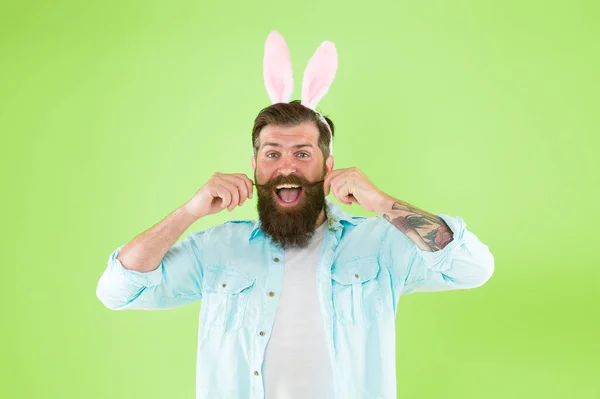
x: 235, y: 198
x: 223, y: 193
x: 234, y: 192
x: 334, y: 189
x: 241, y: 187
x: 248, y: 186
x: 333, y: 178
x: 328, y: 179
x: 249, y: 183
x: 345, y: 190
x: 341, y: 193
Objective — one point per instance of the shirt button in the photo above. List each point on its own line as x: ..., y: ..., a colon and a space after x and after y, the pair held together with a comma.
x: 271, y: 293
x: 224, y: 285
x: 262, y: 333
x: 276, y: 259
x: 255, y: 372
x: 356, y: 275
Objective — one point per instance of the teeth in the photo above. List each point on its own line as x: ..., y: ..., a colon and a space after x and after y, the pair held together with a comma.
x: 287, y: 186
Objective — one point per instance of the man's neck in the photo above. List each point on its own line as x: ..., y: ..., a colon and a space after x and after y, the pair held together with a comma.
x: 321, y: 219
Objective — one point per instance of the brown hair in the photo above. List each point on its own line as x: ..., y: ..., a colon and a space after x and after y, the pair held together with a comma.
x: 291, y: 114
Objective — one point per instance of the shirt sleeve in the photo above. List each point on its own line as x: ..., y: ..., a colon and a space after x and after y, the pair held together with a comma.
x: 464, y: 263
x: 176, y: 282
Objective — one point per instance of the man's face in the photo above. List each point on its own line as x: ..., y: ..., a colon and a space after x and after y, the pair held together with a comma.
x: 290, y: 155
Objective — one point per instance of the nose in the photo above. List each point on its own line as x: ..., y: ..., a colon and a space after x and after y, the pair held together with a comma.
x: 287, y: 167
x: 287, y: 171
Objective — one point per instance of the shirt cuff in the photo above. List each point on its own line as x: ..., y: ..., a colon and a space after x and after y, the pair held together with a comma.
x: 146, y: 279
x: 441, y: 260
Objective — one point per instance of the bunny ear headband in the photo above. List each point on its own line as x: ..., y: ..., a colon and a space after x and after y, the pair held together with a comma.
x: 318, y: 75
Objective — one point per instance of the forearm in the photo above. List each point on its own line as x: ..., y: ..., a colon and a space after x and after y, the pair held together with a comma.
x: 145, y: 252
x: 428, y: 231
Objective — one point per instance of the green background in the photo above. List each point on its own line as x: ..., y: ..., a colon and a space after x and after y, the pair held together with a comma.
x: 115, y: 113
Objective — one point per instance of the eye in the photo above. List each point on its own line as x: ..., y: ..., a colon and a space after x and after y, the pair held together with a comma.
x: 271, y: 153
x: 303, y: 153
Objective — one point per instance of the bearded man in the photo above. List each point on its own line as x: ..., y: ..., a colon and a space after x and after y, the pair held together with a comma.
x: 300, y: 303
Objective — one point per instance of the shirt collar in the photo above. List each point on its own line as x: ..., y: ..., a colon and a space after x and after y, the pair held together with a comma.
x: 335, y: 217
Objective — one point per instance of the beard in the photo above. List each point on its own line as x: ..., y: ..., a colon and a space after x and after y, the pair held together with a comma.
x: 294, y: 226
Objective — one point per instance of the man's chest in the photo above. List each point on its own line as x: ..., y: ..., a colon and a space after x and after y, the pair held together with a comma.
x: 245, y: 287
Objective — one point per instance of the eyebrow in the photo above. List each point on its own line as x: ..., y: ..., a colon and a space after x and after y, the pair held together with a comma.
x: 295, y: 146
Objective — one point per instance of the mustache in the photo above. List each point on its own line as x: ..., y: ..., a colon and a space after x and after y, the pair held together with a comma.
x: 273, y: 184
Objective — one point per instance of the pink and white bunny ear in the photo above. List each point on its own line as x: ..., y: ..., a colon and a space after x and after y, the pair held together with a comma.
x: 319, y: 74
x: 277, y: 69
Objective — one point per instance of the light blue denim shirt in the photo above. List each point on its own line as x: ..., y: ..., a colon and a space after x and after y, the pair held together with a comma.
x: 237, y: 271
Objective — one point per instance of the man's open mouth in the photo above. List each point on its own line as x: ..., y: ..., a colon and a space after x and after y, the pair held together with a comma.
x: 288, y: 194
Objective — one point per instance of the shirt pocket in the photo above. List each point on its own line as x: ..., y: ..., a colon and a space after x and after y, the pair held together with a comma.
x: 224, y: 298
x: 356, y: 294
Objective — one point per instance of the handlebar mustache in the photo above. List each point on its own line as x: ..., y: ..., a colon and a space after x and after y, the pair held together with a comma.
x: 270, y: 185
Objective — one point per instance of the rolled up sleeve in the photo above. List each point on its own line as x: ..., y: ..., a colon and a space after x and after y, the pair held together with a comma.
x: 177, y: 281
x: 464, y: 263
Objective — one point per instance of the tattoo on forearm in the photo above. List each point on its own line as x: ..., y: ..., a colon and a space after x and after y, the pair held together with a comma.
x: 430, y: 230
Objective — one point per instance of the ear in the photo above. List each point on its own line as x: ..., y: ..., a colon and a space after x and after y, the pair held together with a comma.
x: 329, y: 164
x: 319, y: 74
x: 277, y: 69
x: 253, y: 163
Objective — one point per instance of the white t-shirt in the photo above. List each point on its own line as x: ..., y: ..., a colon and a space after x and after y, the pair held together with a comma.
x: 297, y: 364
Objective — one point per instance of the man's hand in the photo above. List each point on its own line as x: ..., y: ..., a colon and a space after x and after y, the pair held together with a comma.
x: 351, y: 185
x: 221, y: 191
